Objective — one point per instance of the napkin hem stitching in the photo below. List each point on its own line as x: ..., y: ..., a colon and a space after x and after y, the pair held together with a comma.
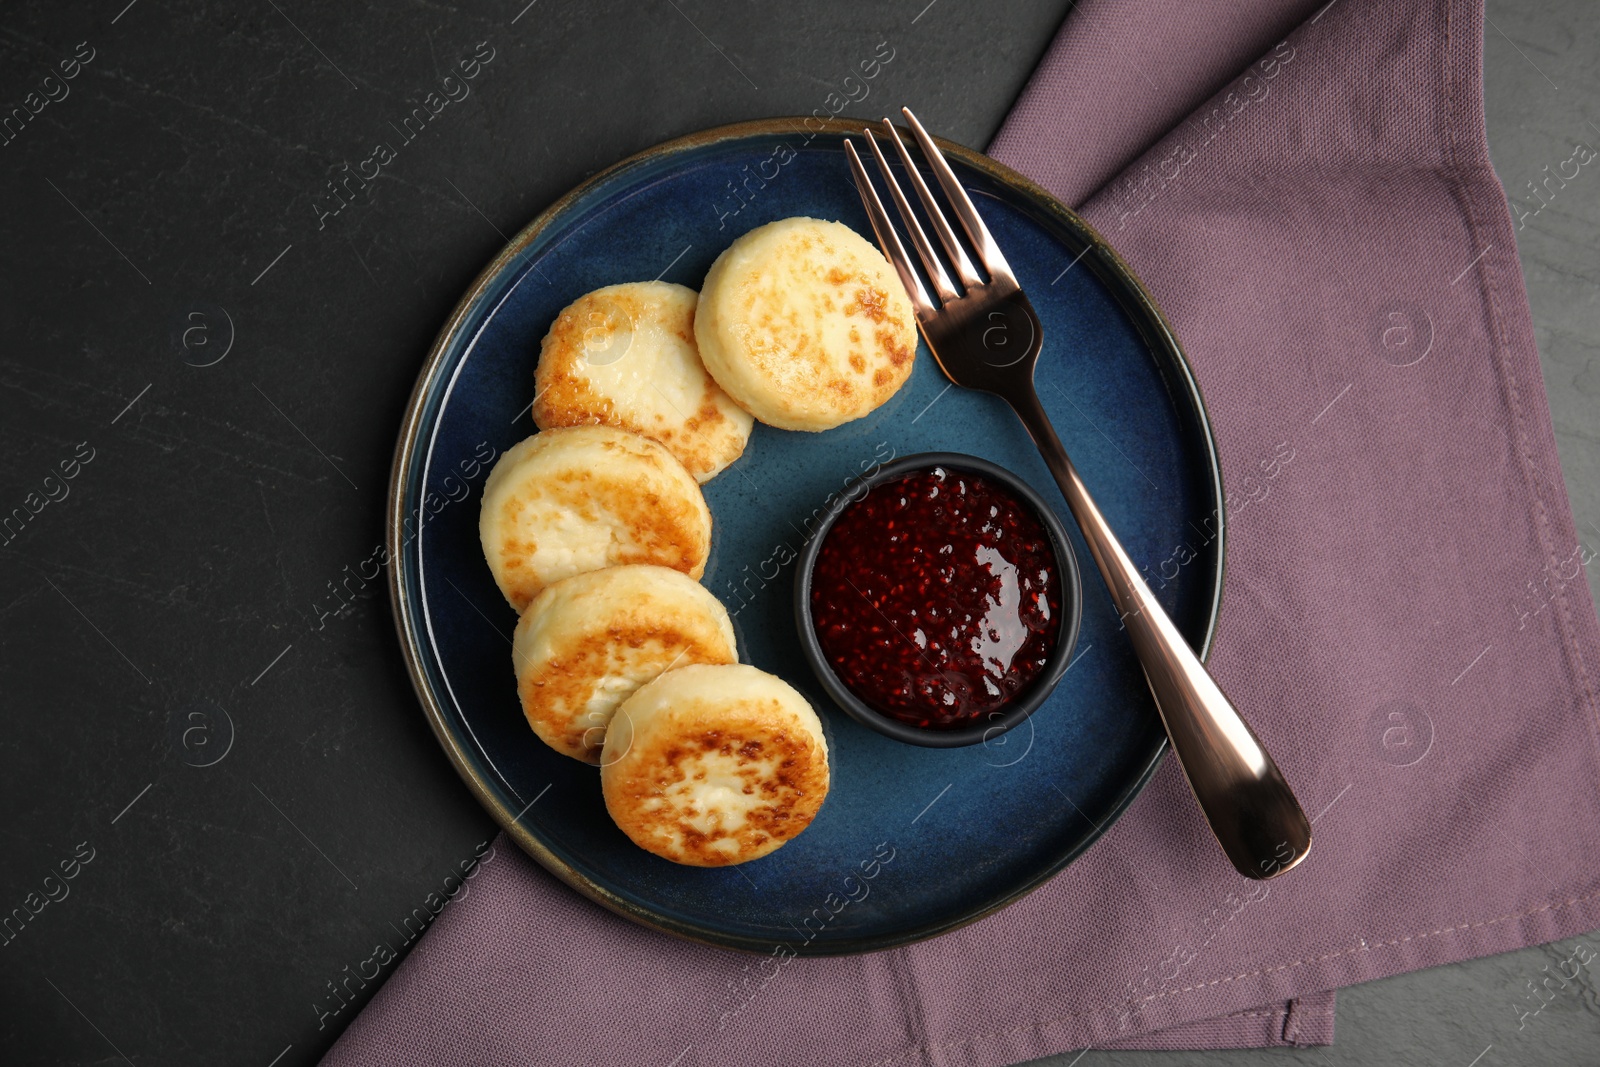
x: 1037, y: 1023
x: 1471, y: 153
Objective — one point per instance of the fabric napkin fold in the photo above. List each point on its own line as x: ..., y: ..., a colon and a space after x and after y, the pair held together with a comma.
x: 1405, y: 618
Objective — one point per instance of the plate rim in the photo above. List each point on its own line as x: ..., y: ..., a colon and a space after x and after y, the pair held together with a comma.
x: 409, y: 440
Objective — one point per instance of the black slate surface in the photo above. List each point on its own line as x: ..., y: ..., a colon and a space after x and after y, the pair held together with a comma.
x: 205, y: 717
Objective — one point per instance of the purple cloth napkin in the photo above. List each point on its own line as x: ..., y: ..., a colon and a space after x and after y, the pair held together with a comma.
x: 1405, y: 620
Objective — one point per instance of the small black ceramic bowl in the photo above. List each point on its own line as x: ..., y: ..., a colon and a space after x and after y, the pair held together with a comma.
x: 1012, y: 713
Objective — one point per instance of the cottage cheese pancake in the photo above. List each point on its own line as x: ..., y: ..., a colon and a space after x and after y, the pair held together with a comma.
x: 805, y: 324
x: 580, y: 498
x: 625, y: 356
x: 714, y: 765
x: 588, y: 642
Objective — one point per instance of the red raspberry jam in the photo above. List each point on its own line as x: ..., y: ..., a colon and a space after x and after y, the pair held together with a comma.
x: 936, y: 597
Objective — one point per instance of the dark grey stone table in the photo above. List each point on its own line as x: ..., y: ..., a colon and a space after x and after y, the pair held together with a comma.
x: 203, y: 369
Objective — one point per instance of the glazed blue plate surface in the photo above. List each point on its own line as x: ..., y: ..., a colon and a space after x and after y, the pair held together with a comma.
x: 947, y: 835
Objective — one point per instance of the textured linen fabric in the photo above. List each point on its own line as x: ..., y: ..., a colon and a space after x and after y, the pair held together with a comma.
x: 1405, y: 619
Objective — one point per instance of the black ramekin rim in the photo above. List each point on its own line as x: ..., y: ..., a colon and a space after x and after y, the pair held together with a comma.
x: 1013, y: 713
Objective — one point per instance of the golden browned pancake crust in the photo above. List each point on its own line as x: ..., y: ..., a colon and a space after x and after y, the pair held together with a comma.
x: 625, y: 356
x: 714, y: 765
x: 805, y: 324
x: 580, y: 498
x: 588, y: 642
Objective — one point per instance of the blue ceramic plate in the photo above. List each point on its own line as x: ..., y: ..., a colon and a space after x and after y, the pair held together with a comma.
x: 911, y: 841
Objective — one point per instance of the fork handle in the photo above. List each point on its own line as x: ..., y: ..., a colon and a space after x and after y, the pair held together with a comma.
x: 1250, y: 807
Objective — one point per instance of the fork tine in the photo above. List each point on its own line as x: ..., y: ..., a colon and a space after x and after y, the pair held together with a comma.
x: 924, y: 247
x: 988, y: 251
x: 888, y: 240
x: 947, y: 237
